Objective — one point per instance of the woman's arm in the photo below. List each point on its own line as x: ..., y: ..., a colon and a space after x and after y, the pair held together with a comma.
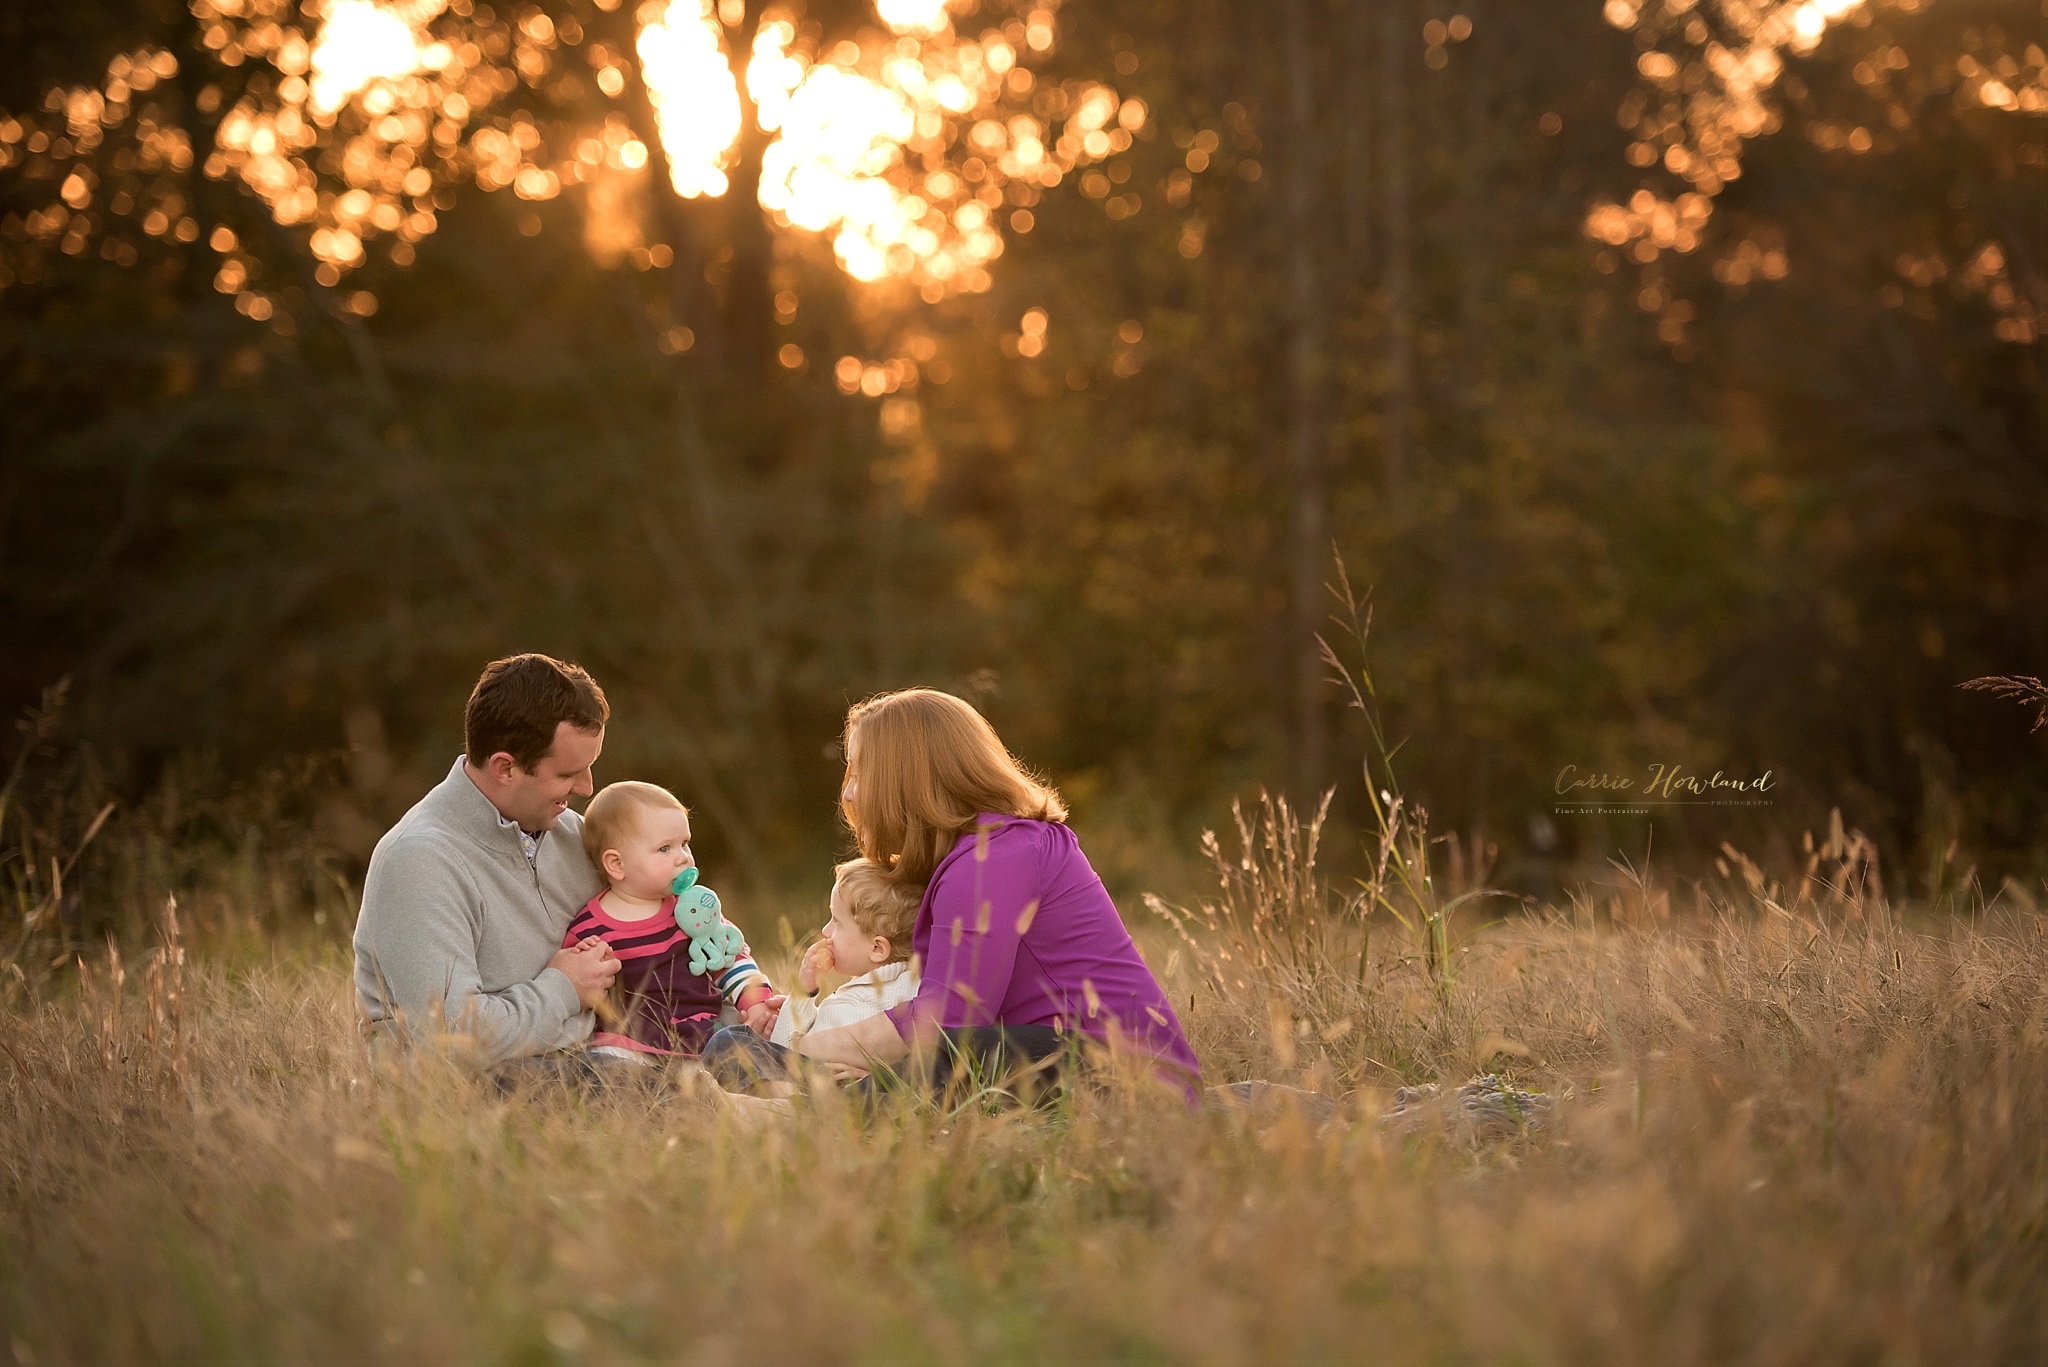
x: 861, y: 1045
x: 980, y: 907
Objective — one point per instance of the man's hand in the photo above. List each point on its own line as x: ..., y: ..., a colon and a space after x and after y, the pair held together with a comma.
x: 817, y: 960
x: 760, y: 1017
x: 590, y: 966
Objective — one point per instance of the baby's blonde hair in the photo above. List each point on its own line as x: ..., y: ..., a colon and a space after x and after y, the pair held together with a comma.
x: 614, y: 814
x: 879, y: 904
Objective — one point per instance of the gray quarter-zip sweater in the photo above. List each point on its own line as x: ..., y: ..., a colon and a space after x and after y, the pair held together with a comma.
x: 457, y: 927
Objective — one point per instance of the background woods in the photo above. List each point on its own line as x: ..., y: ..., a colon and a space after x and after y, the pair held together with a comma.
x: 1677, y: 406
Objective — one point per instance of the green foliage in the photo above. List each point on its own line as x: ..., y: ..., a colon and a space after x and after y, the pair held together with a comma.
x: 1777, y: 544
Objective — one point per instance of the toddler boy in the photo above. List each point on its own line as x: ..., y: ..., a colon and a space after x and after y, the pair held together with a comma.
x: 866, y: 941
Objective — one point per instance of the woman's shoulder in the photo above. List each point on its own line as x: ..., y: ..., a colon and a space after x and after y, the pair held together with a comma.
x: 1012, y: 832
x: 1003, y: 821
x: 1007, y: 841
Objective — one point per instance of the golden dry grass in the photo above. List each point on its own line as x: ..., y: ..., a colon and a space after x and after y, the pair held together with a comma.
x: 1791, y: 1123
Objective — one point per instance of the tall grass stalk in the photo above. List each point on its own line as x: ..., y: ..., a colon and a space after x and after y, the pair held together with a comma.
x: 1276, y: 921
x: 1402, y: 883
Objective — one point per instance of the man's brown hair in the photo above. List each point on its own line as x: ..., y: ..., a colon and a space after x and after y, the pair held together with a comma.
x: 519, y: 702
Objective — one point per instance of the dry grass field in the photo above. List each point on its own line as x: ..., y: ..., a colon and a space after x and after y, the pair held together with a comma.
x: 1790, y: 1121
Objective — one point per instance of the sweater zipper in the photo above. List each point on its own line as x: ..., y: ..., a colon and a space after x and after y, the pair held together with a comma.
x: 533, y: 867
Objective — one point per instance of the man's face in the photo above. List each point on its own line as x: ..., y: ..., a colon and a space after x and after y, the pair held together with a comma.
x: 536, y: 799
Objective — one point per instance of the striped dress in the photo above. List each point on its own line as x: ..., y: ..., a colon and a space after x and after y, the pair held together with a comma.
x: 662, y: 1007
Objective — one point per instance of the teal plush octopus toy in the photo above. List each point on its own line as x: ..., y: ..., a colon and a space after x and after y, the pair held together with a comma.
x: 714, y: 942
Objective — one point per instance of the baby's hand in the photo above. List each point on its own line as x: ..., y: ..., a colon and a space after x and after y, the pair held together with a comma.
x: 760, y: 1017
x: 817, y: 959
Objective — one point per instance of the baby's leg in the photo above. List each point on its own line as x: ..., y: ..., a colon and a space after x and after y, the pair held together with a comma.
x: 742, y: 1061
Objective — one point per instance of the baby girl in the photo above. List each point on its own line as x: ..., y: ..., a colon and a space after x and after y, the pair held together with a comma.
x: 638, y: 836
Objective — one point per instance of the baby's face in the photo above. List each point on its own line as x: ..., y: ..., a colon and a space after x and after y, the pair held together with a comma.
x: 854, y: 951
x: 657, y: 850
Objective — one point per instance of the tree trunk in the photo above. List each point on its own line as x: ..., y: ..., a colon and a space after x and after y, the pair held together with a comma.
x: 1472, y: 568
x: 1473, y: 260
x: 704, y: 505
x: 1358, y: 144
x: 747, y: 289
x: 1307, y: 428
x: 1397, y: 43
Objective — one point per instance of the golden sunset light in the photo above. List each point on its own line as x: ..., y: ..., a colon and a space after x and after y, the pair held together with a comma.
x: 361, y: 41
x: 910, y: 151
x: 696, y: 99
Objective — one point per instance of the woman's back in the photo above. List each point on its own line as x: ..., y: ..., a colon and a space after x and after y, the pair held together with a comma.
x: 1017, y: 929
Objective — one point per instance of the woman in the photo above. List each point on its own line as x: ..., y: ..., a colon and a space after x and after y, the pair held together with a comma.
x: 1020, y: 944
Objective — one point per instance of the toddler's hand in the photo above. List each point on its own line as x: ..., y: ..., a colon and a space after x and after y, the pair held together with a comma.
x: 817, y: 959
x: 760, y: 1017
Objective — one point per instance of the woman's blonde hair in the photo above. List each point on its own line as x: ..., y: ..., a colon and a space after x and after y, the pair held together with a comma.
x: 926, y: 764
x: 879, y: 904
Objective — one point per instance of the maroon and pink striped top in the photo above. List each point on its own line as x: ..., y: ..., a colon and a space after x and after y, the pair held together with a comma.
x: 667, y: 1008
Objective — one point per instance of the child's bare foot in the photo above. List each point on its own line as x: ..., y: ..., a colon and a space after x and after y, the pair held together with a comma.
x: 756, y: 1112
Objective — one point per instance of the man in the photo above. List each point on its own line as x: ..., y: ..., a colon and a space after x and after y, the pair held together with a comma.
x: 468, y: 896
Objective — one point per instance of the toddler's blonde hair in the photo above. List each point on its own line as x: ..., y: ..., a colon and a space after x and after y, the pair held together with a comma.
x: 614, y: 814
x: 879, y: 904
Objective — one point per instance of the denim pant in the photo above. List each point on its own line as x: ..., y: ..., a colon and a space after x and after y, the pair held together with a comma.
x: 739, y: 1058
x: 1024, y: 1058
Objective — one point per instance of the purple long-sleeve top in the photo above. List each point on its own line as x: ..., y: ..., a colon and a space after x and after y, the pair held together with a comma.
x: 1017, y: 929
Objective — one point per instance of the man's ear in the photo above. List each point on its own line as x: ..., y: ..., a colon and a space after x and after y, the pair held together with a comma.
x: 614, y: 865
x: 502, y: 766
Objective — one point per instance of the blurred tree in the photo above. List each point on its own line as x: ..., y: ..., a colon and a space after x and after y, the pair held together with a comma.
x: 1600, y: 530
x: 724, y: 477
